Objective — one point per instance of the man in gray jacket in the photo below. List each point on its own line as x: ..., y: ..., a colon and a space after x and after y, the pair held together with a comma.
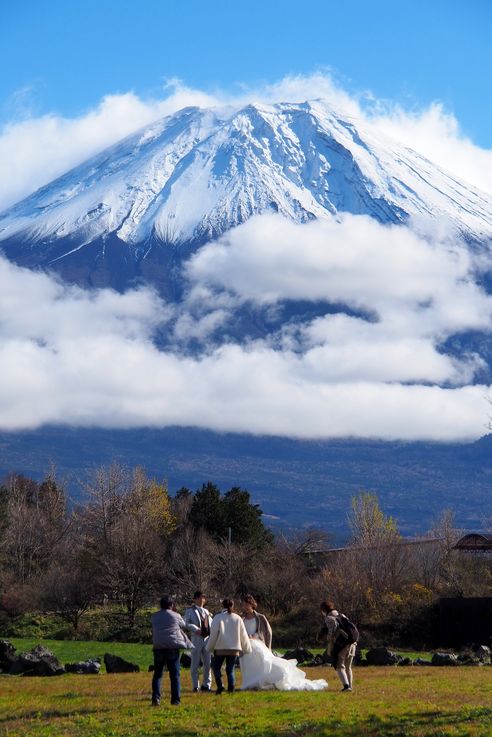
x: 168, y: 637
x: 198, y: 621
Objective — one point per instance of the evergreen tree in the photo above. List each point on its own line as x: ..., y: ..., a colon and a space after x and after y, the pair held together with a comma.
x: 207, y: 512
x: 232, y: 514
x: 244, y: 519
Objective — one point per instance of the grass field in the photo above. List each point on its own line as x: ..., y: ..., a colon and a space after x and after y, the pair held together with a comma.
x: 386, y: 702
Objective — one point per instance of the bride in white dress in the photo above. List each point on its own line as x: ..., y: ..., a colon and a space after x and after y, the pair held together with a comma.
x: 261, y: 669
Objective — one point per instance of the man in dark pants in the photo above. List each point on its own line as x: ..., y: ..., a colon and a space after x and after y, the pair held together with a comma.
x: 217, y: 669
x: 168, y: 637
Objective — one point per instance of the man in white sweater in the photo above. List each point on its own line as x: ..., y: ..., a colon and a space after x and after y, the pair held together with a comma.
x: 228, y: 639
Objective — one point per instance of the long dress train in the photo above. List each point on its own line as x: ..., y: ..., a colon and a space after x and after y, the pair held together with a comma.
x: 261, y: 669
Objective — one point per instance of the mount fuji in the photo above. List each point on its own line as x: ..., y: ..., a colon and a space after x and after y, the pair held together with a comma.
x: 135, y: 211
x: 138, y: 212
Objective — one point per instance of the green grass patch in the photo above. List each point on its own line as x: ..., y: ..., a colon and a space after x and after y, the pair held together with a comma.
x: 72, y: 651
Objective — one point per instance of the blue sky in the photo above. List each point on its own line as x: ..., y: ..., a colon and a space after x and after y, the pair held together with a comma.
x: 63, y: 57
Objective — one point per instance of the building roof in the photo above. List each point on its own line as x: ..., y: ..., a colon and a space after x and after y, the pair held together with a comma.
x: 400, y: 542
x: 475, y: 541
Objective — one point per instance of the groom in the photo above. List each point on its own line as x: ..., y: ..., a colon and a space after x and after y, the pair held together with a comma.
x: 198, y: 621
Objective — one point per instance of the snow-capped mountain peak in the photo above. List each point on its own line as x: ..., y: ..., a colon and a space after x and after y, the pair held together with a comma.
x: 191, y: 176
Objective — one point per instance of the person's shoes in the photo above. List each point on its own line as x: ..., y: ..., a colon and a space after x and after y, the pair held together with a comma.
x: 346, y: 688
x: 231, y: 690
x: 175, y: 703
x: 195, y: 690
x: 205, y: 688
x: 220, y: 689
x: 156, y: 702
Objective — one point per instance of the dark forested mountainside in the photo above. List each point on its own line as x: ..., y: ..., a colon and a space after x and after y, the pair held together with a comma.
x: 297, y: 483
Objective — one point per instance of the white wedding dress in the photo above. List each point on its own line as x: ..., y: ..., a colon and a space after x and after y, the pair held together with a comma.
x: 261, y: 669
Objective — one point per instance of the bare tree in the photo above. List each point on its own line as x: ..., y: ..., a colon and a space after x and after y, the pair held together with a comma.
x: 126, y: 528
x: 36, y: 524
x: 460, y: 573
x: 192, y: 563
x: 68, y: 588
x: 105, y: 488
x: 281, y: 578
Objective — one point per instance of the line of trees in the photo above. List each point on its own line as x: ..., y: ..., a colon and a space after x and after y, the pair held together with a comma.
x: 130, y: 541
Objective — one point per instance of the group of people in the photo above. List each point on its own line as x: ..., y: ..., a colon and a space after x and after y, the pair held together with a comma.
x: 227, y: 636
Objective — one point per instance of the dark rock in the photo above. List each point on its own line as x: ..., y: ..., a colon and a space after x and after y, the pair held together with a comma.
x: 405, y: 661
x: 7, y: 656
x: 89, y: 667
x: 444, y: 659
x: 468, y: 658
x: 300, y: 654
x: 322, y: 659
x: 185, y: 660
x: 318, y: 660
x: 382, y: 656
x: 115, y: 664
x: 482, y: 652
x: 421, y: 661
x: 38, y: 662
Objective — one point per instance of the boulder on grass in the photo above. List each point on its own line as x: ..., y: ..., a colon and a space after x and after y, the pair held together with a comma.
x: 468, y: 657
x: 300, y: 654
x: 444, y: 659
x: 37, y: 662
x: 115, y: 664
x: 7, y: 656
x: 406, y: 661
x: 321, y: 659
x: 382, y: 656
x: 483, y: 653
x: 84, y: 667
x: 314, y: 663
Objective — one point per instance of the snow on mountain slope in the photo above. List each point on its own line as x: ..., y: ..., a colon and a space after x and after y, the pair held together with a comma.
x: 188, y: 178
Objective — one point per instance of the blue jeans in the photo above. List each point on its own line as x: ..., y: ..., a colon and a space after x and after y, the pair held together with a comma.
x: 217, y: 666
x: 170, y: 659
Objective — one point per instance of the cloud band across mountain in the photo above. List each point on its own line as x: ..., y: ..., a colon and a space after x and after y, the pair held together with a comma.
x: 91, y: 358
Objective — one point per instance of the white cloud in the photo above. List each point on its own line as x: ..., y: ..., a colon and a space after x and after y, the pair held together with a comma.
x: 436, y: 134
x: 412, y: 294
x: 414, y: 285
x: 88, y: 358
x: 34, y: 151
x: 123, y: 383
x: 37, y: 307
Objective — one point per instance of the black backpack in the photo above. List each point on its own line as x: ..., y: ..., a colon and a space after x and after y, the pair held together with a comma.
x: 349, y: 630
